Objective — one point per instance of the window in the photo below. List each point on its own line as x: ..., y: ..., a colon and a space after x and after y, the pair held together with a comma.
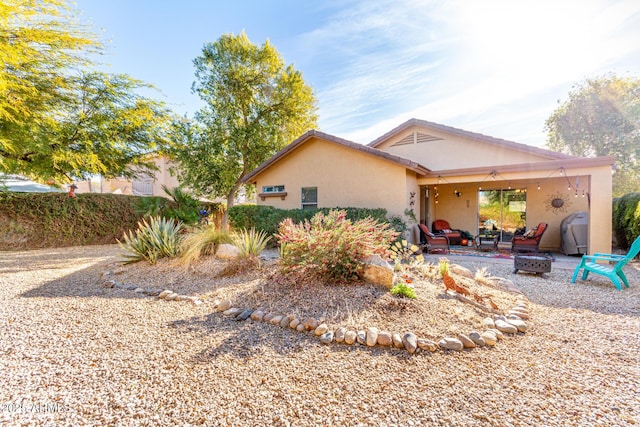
x: 273, y: 189
x: 309, y: 197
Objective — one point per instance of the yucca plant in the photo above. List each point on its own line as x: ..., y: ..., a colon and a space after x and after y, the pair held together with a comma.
x: 251, y: 242
x: 152, y: 240
x: 203, y: 241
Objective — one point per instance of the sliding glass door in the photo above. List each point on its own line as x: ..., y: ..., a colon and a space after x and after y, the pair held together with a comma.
x: 502, y: 212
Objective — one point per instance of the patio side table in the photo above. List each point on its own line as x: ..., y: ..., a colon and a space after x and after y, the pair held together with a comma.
x: 486, y: 242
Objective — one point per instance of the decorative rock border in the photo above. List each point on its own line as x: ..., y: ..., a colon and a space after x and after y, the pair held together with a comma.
x: 166, y: 294
x: 498, y: 326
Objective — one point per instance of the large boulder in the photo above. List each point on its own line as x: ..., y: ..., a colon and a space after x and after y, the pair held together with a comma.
x: 227, y: 251
x: 378, y: 271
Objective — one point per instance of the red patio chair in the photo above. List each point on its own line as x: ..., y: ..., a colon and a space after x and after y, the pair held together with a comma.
x: 441, y: 227
x: 530, y: 241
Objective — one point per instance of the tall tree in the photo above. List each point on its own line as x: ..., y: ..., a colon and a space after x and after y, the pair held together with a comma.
x: 255, y: 105
x: 602, y: 118
x: 58, y: 120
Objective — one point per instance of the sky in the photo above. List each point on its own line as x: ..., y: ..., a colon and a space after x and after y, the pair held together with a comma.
x: 497, y: 67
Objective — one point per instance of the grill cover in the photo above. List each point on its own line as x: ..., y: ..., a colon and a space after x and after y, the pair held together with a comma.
x: 574, y: 231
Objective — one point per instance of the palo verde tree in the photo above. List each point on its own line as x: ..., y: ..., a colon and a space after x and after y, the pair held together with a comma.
x: 254, y: 106
x: 602, y: 118
x: 58, y: 119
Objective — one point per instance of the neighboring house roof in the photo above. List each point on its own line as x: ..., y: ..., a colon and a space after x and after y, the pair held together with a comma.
x: 471, y: 135
x: 19, y: 184
x: 409, y: 164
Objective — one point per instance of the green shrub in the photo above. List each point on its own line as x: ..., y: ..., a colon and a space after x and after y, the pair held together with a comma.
x: 153, y: 240
x: 251, y: 242
x: 268, y: 218
x: 42, y: 220
x: 200, y: 242
x: 403, y: 290
x: 626, y: 219
x: 331, y: 246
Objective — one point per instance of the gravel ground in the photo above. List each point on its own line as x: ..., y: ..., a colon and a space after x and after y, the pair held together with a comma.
x: 75, y: 353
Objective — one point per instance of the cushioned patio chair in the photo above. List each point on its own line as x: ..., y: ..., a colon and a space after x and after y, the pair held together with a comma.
x: 530, y: 241
x: 429, y: 242
x: 441, y: 227
x: 612, y: 270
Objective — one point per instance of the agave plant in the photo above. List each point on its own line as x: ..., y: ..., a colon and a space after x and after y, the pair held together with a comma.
x: 251, y: 242
x: 152, y: 240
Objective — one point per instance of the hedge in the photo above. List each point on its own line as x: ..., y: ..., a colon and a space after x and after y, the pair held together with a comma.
x: 267, y: 218
x: 41, y: 220
x: 626, y: 219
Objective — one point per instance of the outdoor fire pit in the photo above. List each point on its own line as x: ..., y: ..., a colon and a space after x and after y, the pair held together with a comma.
x: 538, y: 264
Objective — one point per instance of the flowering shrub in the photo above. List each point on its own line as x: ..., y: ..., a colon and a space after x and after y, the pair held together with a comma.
x: 330, y: 246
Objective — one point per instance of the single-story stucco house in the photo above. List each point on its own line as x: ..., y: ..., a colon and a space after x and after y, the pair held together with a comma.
x: 441, y: 172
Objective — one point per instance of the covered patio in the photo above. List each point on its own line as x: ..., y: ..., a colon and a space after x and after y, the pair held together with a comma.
x: 513, y: 198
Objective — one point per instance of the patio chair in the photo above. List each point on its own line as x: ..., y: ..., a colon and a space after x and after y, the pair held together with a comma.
x: 429, y: 242
x: 441, y: 227
x: 530, y: 241
x: 612, y: 270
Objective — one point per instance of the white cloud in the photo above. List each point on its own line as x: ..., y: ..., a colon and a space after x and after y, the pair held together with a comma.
x: 494, y: 66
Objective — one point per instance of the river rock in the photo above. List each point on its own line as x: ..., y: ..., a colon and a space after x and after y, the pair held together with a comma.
x: 163, y: 294
x: 310, y: 324
x: 385, y: 339
x: 372, y: 336
x: 361, y: 337
x: 233, y: 311
x: 339, y: 336
x: 244, y: 315
x: 410, y: 341
x: 505, y: 327
x: 488, y: 322
x: 427, y: 345
x: 499, y: 335
x: 294, y: 323
x: 139, y: 290
x: 519, y: 324
x: 350, y: 337
x: 172, y: 296
x: 466, y: 341
x: 326, y: 338
x: 397, y: 341
x: 449, y: 343
x: 477, y: 339
x: 321, y: 330
x: 267, y: 317
x: 489, y: 338
x: 223, y: 306
x: 300, y: 327
x: 285, y: 321
x: 275, y: 320
x: 257, y: 316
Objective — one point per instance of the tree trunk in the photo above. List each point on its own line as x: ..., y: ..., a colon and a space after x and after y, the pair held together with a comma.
x: 230, y: 201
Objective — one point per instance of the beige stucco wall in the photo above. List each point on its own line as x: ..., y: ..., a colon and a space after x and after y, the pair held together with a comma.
x: 163, y: 176
x: 455, y: 152
x: 344, y: 178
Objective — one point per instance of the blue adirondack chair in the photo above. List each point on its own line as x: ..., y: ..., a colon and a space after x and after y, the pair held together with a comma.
x: 612, y: 270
